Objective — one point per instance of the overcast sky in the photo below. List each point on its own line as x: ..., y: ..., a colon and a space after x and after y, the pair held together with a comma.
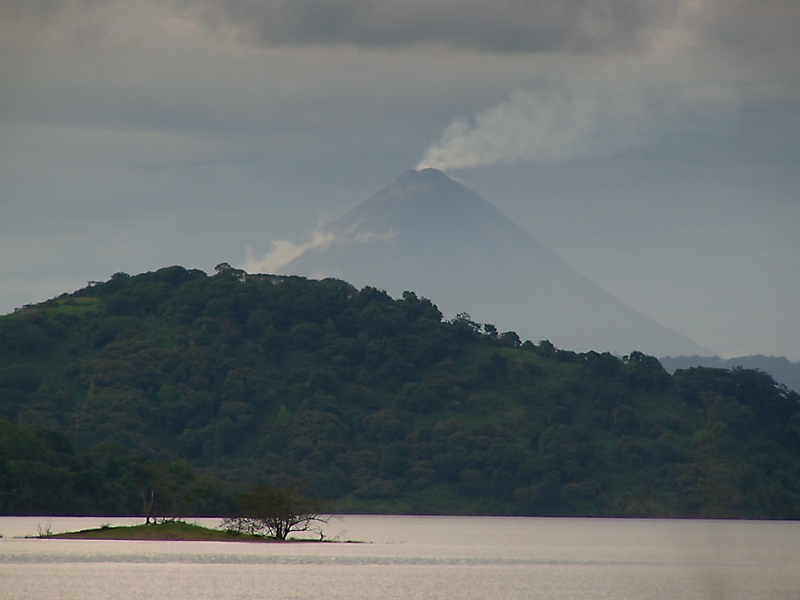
x: 654, y: 145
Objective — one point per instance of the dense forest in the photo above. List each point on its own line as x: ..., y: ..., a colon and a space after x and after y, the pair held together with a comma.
x: 193, y: 387
x: 781, y: 368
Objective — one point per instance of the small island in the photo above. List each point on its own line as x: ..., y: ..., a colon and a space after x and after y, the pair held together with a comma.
x: 179, y: 531
x: 270, y: 514
x: 171, y: 531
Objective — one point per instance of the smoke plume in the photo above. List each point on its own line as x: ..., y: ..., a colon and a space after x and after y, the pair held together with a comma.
x: 283, y: 252
x: 535, y: 127
x: 525, y: 128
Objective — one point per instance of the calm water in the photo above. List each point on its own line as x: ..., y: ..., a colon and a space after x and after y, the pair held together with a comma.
x: 418, y: 557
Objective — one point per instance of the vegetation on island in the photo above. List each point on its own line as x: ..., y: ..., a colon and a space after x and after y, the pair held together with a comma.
x: 171, y: 530
x: 276, y: 513
x: 183, y: 389
x: 266, y: 513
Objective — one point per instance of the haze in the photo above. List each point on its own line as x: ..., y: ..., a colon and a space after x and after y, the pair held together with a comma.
x: 655, y: 146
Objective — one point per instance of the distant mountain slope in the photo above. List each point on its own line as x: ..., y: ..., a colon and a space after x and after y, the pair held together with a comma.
x: 428, y: 233
x: 779, y: 367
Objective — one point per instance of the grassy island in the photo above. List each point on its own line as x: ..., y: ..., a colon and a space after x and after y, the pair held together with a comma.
x: 168, y: 531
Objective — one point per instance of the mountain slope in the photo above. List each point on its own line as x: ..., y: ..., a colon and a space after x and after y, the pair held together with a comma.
x: 428, y: 233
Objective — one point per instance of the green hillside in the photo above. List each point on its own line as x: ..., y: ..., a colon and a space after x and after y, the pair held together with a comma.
x: 197, y: 386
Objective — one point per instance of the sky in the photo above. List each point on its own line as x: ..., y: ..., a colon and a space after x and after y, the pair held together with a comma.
x: 654, y: 145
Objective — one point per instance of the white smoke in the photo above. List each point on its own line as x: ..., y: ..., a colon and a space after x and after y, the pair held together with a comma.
x: 587, y: 120
x: 537, y: 127
x: 527, y: 127
x: 284, y: 252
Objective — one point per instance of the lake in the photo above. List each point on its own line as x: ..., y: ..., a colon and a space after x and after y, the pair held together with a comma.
x: 411, y: 557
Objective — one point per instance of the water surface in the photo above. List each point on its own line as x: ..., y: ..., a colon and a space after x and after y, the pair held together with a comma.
x: 418, y: 557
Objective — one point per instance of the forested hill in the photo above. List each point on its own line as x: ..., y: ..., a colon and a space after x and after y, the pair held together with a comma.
x: 197, y: 385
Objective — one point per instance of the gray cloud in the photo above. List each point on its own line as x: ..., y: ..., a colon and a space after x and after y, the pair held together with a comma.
x: 594, y: 26
x: 746, y: 28
x: 74, y: 24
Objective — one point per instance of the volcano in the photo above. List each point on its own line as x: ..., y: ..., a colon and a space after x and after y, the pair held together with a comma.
x: 429, y: 234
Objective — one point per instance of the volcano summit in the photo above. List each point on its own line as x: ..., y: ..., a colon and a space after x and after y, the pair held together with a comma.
x: 427, y: 233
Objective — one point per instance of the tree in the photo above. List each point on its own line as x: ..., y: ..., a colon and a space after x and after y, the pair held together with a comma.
x: 277, y: 512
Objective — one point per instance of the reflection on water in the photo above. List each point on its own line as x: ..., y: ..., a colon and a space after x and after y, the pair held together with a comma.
x: 419, y: 557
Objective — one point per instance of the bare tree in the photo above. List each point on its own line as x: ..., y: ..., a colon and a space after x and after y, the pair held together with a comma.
x: 277, y: 512
x: 149, y: 506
